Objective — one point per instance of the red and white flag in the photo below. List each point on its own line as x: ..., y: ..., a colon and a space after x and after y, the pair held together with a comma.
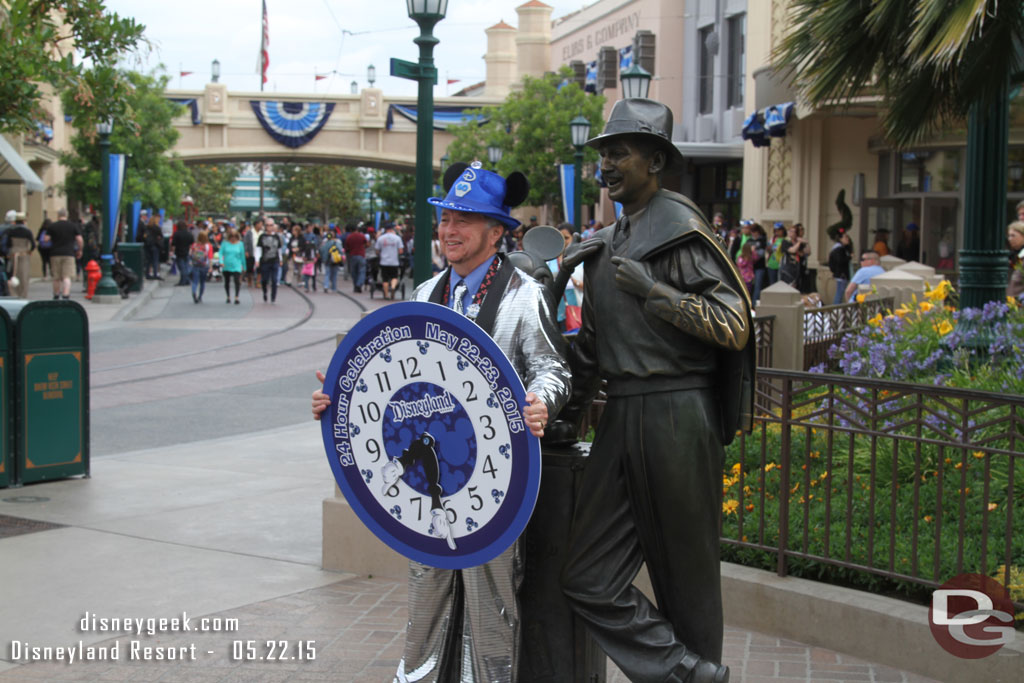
x: 264, y: 46
x: 452, y: 80
x: 319, y: 77
x: 184, y: 73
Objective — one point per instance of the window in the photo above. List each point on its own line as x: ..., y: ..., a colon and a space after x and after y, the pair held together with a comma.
x: 708, y: 48
x: 929, y: 171
x: 737, y: 29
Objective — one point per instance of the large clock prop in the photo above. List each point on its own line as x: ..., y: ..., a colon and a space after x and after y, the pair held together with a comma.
x: 426, y: 436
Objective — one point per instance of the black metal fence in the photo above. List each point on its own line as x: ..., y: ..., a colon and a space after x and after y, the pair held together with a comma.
x: 827, y: 325
x: 764, y: 336
x: 860, y: 477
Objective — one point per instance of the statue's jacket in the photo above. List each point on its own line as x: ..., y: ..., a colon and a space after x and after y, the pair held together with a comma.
x: 692, y: 330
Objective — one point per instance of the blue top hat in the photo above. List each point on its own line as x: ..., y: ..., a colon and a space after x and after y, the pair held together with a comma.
x: 473, y: 189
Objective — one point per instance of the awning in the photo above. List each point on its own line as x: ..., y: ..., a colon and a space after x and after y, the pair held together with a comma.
x: 10, y: 159
x: 710, y: 150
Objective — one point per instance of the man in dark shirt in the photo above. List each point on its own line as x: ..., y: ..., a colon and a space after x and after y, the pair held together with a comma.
x: 181, y: 241
x: 19, y: 243
x: 355, y: 252
x: 270, y: 244
x: 67, y: 242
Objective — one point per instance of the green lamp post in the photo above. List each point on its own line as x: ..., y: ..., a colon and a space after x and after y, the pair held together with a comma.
x: 106, y: 287
x: 494, y: 154
x: 579, y: 128
x: 636, y: 81
x: 426, y: 13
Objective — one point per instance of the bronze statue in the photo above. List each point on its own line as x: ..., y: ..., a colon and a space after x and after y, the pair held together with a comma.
x: 666, y: 321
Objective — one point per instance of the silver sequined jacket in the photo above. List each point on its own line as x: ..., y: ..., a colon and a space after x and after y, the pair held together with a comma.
x: 525, y: 330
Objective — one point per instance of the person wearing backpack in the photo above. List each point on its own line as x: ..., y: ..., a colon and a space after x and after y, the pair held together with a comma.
x: 44, y: 242
x: 331, y: 256
x: 200, y: 255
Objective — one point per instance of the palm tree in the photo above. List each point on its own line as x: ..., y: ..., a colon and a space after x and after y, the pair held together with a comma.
x: 932, y: 63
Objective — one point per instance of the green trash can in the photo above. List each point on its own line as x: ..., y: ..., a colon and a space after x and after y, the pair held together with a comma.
x: 51, y: 386
x: 132, y: 257
x: 7, y: 467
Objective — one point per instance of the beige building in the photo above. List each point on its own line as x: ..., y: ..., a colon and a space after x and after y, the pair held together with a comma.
x: 714, y: 72
x: 797, y: 178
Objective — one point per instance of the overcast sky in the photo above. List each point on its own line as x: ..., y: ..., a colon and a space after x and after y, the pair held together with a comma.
x: 335, y: 37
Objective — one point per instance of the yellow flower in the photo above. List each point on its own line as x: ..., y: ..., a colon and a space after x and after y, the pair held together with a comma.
x: 927, y: 518
x: 925, y: 306
x: 992, y: 506
x: 944, y: 328
x: 940, y: 292
x: 770, y: 466
x: 1012, y: 302
x: 978, y: 454
x: 729, y: 507
x: 875, y: 321
x: 901, y: 311
x: 860, y: 298
x: 736, y: 468
x: 750, y: 507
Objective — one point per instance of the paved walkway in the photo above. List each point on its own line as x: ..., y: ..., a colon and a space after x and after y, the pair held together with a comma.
x: 230, y: 529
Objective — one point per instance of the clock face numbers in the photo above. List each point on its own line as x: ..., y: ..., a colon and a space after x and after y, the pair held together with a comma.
x: 426, y: 435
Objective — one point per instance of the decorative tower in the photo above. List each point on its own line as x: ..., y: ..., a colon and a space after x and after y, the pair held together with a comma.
x: 501, y: 60
x: 533, y: 40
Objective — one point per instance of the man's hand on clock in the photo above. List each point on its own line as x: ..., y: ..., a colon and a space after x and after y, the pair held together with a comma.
x: 633, y: 276
x: 320, y: 399
x: 536, y: 414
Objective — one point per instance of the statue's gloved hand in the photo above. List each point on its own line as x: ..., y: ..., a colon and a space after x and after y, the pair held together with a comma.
x: 578, y: 252
x: 575, y: 254
x: 633, y: 276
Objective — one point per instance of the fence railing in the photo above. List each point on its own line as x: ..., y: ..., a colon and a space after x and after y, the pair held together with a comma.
x: 827, y: 325
x: 909, y: 482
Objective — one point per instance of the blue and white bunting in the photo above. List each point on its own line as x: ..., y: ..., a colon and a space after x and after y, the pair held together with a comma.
x: 116, y: 168
x: 293, y: 124
x: 567, y: 174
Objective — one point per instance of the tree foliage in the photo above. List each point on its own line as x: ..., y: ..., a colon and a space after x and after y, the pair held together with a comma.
x: 143, y: 131
x: 211, y: 186
x: 532, y: 128
x: 321, y: 192
x: 394, y: 192
x: 928, y: 59
x: 40, y: 44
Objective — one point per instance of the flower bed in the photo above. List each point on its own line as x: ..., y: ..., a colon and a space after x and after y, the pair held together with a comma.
x: 885, y: 483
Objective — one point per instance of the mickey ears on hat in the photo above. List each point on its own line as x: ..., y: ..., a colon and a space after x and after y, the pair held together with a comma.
x: 516, y: 185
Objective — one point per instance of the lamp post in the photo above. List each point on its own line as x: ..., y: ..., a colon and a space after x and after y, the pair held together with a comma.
x: 215, y: 71
x: 636, y: 81
x: 371, y: 75
x: 106, y: 287
x: 579, y: 128
x: 426, y: 13
x: 445, y: 160
x: 494, y: 154
x: 355, y: 88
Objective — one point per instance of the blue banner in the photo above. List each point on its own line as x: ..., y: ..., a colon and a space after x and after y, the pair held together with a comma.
x: 626, y: 57
x: 567, y: 174
x: 293, y: 124
x: 114, y: 198
x: 443, y: 116
x: 136, y: 210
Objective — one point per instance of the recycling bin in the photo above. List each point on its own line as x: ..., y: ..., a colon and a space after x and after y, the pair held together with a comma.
x: 51, y: 390
x: 7, y: 429
x: 132, y: 257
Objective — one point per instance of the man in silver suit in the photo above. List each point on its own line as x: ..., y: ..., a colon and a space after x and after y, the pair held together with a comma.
x: 464, y: 624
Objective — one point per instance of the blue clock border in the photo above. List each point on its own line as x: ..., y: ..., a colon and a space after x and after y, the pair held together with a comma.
x: 507, y: 525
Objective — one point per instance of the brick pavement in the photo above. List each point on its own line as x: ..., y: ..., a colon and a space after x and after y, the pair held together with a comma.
x: 357, y: 626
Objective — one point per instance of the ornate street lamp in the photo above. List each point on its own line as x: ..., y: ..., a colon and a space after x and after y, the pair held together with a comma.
x: 355, y: 88
x: 445, y: 160
x: 636, y: 81
x: 579, y: 128
x: 106, y: 287
x: 426, y: 13
x: 215, y: 71
x: 494, y: 154
x: 371, y: 75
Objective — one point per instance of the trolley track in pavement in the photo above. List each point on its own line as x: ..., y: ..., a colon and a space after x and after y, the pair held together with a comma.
x: 310, y: 310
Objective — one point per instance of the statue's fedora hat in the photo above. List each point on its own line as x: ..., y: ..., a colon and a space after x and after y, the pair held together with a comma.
x: 473, y: 189
x: 638, y: 116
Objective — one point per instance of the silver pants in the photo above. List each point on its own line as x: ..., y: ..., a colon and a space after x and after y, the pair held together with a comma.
x: 489, y: 648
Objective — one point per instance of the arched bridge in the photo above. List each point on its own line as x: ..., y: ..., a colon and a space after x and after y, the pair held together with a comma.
x: 354, y: 130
